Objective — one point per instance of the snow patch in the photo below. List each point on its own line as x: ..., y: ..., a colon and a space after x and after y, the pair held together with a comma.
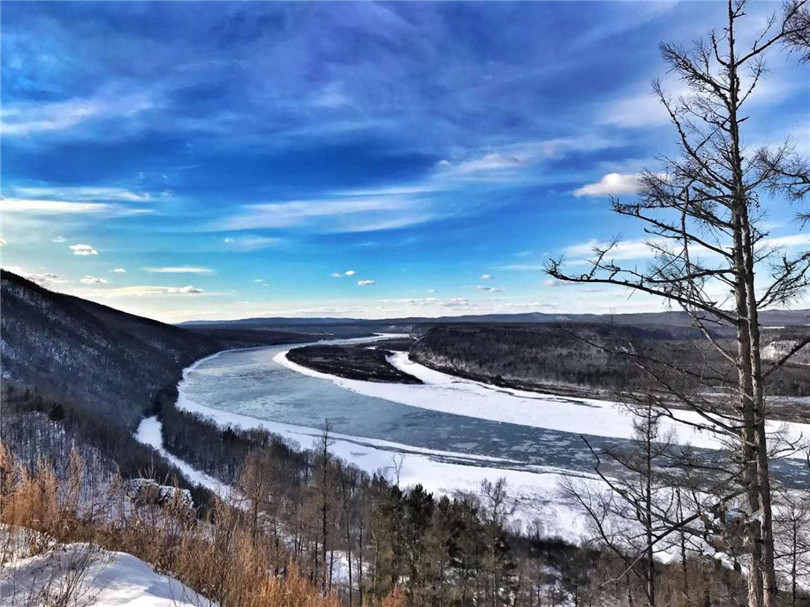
x: 105, y: 579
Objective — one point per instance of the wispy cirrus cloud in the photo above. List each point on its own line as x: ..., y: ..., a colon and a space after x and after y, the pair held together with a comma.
x: 510, y: 162
x: 630, y: 249
x: 620, y: 250
x: 54, y: 207
x: 643, y: 107
x: 487, y: 163
x: 244, y: 244
x: 150, y: 291
x: 488, y: 289
x: 365, y: 283
x: 27, y: 118
x: 335, y: 215
x: 523, y: 267
x: 787, y: 242
x: 92, y: 280
x: 41, y: 207
x: 179, y: 270
x: 81, y: 193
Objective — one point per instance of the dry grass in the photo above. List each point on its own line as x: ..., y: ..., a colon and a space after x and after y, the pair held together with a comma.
x: 219, y: 556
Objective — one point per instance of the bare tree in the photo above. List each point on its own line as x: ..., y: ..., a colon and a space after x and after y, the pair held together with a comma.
x: 792, y: 522
x: 703, y: 217
x: 326, y: 498
x: 633, y: 516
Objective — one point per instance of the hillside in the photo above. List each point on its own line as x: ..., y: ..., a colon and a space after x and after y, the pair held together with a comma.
x: 102, y: 361
x: 88, y: 355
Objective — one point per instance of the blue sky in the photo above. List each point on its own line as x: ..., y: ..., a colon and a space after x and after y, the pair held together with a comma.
x: 219, y: 160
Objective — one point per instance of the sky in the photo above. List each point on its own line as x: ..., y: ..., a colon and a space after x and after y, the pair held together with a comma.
x: 211, y: 160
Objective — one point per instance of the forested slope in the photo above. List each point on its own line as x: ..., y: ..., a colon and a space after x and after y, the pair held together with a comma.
x: 588, y: 358
x: 87, y: 355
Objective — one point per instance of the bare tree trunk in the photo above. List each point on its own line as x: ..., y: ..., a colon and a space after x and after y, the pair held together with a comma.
x: 747, y: 413
x: 754, y: 440
x: 648, y: 507
x: 763, y: 476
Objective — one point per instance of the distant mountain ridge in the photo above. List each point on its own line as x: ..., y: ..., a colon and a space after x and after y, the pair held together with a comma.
x: 787, y: 318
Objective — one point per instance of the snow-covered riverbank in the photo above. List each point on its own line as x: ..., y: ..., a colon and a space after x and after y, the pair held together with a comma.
x: 149, y: 433
x: 459, y: 396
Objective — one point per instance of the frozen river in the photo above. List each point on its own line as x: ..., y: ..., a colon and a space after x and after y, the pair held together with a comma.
x: 252, y: 384
x: 452, y: 432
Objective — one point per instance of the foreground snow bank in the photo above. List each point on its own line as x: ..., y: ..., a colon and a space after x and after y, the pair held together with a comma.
x: 85, y: 575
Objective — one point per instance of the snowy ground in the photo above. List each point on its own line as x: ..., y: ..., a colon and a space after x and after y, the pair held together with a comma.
x: 85, y: 575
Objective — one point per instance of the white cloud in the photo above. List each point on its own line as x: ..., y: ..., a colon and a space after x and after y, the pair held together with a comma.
x: 179, y: 270
x: 118, y: 271
x: 187, y: 290
x: 258, y: 280
x: 150, y: 291
x: 793, y: 240
x: 59, y: 239
x: 350, y: 272
x: 611, y: 184
x: 337, y: 275
x: 342, y: 214
x: 342, y: 274
x: 330, y: 98
x: 297, y: 212
x: 644, y: 109
x: 83, y: 250
x: 640, y: 248
x: 623, y: 249
x: 82, y: 193
x: 54, y: 207
x: 456, y: 302
x: 252, y: 243
x: 39, y: 117
x: 486, y: 277
x: 92, y: 280
x: 489, y: 289
x: 2, y: 242
x: 489, y: 162
x: 523, y: 267
x: 365, y: 283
